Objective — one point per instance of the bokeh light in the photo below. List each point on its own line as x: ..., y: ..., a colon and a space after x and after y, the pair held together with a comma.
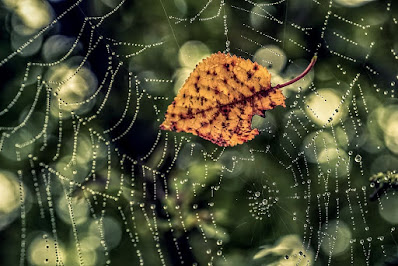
x: 76, y: 92
x: 388, y: 208
x: 324, y: 108
x: 340, y: 242
x: 353, y: 3
x: 9, y: 198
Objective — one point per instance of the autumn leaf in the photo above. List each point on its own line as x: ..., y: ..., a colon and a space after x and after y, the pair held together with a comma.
x: 220, y: 97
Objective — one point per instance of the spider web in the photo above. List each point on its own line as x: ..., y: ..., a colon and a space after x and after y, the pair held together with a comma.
x: 80, y: 140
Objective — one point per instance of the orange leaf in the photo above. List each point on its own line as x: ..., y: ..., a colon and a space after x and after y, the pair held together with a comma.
x: 220, y: 97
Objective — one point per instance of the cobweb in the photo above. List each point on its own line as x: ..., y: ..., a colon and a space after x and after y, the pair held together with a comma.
x: 91, y: 180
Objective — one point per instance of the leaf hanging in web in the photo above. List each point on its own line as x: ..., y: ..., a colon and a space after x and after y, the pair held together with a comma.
x: 220, y: 97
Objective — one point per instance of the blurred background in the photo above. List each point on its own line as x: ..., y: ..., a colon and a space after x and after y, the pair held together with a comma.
x: 87, y: 178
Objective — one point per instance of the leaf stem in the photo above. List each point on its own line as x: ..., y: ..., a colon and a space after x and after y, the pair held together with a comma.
x: 309, y: 67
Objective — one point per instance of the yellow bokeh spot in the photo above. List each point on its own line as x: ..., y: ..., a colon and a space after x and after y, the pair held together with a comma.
x: 387, y: 120
x: 353, y: 3
x: 340, y: 242
x: 41, y: 251
x: 324, y: 108
x: 34, y: 14
x: 388, y: 208
x: 272, y: 57
x: 191, y: 53
x: 74, y: 89
x: 9, y: 193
